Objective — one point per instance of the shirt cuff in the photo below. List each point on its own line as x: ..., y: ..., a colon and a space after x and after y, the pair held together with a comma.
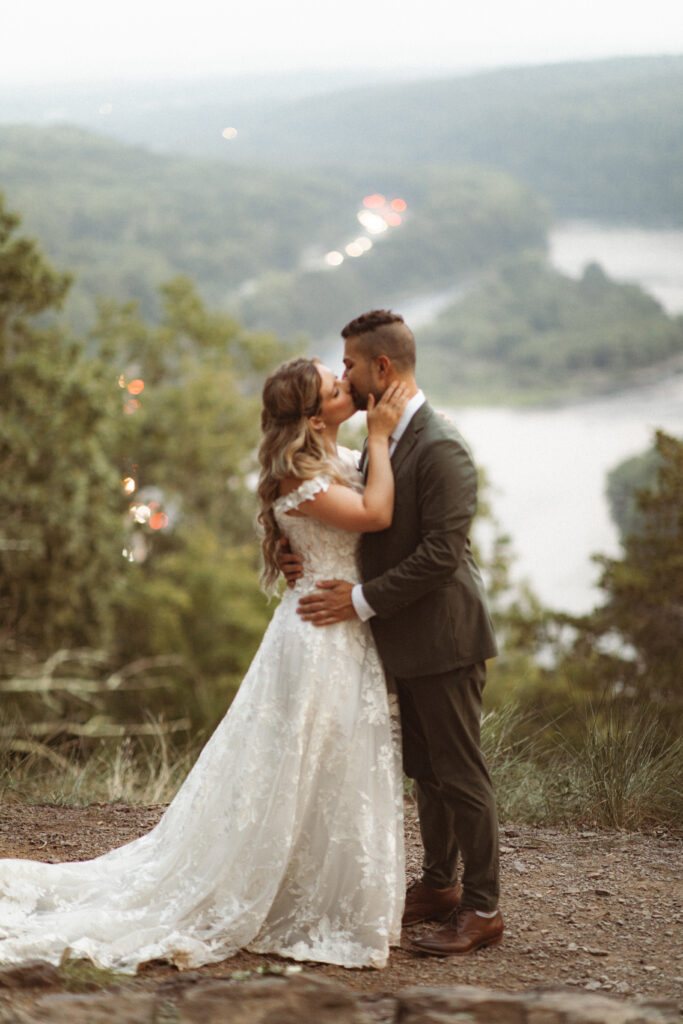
x: 363, y: 610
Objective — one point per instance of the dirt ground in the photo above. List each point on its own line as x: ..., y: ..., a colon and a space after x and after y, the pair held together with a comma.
x: 596, y: 910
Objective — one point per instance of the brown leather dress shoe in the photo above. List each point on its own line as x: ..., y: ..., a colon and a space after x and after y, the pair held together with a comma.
x: 464, y: 933
x: 425, y: 904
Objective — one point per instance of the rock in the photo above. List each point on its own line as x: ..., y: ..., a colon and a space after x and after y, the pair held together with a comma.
x: 285, y: 1001
x: 31, y: 974
x: 202, y: 999
x: 123, y: 1006
x: 458, y: 1004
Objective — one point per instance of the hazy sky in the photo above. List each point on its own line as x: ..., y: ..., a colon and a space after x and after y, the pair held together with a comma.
x: 58, y: 40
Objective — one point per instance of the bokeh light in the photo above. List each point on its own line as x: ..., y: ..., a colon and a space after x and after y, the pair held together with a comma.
x: 399, y: 205
x: 229, y: 133
x: 393, y: 219
x: 334, y: 258
x: 129, y: 485
x: 375, y: 201
x: 136, y: 387
x: 140, y: 513
x: 372, y: 222
x: 159, y: 521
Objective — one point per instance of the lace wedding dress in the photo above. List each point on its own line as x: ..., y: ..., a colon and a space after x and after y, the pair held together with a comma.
x: 286, y: 837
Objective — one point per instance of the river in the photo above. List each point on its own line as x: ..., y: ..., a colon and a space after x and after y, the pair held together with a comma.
x: 547, y: 466
x: 547, y: 469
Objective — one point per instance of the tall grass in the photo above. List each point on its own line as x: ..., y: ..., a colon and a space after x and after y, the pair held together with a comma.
x: 619, y: 771
x: 625, y: 774
x: 622, y: 771
x: 127, y: 770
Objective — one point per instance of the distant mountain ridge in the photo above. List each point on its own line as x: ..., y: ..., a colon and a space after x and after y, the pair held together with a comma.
x: 600, y: 139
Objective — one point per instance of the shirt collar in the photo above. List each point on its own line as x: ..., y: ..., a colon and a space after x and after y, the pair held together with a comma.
x: 411, y: 408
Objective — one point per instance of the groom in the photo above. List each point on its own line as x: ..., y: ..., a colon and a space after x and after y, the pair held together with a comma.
x: 424, y: 597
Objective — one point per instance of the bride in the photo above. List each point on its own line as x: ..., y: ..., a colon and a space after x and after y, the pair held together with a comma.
x: 287, y: 836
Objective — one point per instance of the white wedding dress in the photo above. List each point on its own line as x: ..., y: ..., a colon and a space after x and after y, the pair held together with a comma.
x: 287, y: 835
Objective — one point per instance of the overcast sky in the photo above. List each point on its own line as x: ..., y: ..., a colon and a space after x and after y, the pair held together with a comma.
x: 61, y: 40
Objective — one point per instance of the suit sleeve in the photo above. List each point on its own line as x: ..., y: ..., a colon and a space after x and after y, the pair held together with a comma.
x: 447, y: 502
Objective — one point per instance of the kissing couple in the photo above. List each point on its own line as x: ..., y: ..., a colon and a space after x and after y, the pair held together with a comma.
x: 287, y: 835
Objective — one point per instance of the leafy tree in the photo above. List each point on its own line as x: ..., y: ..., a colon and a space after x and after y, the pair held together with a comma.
x: 141, y: 441
x: 626, y: 656
x: 623, y: 486
x: 644, y: 589
x: 192, y: 384
x: 60, y: 497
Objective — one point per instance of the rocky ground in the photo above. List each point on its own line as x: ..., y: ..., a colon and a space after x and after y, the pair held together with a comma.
x: 589, y: 911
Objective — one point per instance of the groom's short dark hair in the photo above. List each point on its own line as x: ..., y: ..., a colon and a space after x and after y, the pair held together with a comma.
x: 381, y: 332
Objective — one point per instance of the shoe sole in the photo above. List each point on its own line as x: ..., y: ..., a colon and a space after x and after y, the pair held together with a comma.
x: 456, y: 952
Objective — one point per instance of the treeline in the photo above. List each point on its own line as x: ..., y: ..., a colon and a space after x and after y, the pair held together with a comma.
x: 526, y: 332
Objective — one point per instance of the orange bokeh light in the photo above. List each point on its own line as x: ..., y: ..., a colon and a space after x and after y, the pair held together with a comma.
x: 394, y: 219
x: 399, y: 205
x: 131, y: 405
x: 374, y: 201
x: 158, y: 521
x: 136, y: 386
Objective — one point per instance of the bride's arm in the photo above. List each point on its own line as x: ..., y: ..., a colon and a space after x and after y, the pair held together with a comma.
x: 373, y: 509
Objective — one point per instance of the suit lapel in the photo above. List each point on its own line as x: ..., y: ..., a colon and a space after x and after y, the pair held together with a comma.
x: 409, y: 438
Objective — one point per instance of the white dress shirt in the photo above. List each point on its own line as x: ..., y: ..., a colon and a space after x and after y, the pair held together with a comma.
x: 363, y: 610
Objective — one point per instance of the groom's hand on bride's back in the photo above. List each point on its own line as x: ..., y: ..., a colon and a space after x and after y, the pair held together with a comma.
x: 289, y: 564
x: 330, y: 603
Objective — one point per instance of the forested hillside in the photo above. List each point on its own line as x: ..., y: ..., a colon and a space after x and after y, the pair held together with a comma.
x: 526, y: 332
x: 254, y: 239
x: 125, y: 220
x: 599, y: 139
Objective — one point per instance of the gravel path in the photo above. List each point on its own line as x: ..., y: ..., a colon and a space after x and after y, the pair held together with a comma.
x: 595, y: 910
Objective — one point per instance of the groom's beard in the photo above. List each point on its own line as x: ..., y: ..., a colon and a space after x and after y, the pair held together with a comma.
x: 361, y: 401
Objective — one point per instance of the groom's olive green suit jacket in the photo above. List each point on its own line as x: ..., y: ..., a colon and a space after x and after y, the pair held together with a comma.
x: 419, y: 575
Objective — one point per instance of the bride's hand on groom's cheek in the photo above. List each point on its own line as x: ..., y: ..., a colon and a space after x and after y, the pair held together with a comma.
x: 330, y: 603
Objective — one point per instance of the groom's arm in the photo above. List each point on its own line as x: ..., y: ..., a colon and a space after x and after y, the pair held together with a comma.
x: 447, y: 502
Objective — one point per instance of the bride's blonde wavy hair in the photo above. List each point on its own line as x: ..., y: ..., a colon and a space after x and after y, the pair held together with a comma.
x: 290, y: 447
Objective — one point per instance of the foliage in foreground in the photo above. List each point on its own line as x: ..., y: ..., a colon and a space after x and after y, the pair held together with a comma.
x: 616, y: 770
x: 139, y: 441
